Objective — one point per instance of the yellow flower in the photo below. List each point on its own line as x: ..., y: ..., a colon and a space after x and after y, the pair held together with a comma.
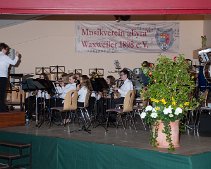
x: 173, y: 103
x: 186, y: 104
x: 154, y: 100
x: 157, y: 108
x: 163, y: 101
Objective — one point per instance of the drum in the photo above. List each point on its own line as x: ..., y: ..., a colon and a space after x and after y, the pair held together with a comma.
x: 207, y: 71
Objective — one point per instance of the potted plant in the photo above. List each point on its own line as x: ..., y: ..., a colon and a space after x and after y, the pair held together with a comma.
x: 170, y: 95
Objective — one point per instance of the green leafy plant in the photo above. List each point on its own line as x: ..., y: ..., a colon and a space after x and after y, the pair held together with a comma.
x: 170, y: 94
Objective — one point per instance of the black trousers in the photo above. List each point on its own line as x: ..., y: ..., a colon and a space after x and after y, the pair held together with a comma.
x: 3, y: 86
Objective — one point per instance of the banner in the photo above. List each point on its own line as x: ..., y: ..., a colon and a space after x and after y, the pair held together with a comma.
x: 116, y: 37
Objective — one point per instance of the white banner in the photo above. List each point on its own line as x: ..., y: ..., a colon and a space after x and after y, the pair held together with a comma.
x: 114, y: 37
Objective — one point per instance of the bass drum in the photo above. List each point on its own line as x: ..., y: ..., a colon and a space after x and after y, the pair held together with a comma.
x: 207, y: 71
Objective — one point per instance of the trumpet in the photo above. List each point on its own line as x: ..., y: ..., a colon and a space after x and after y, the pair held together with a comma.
x: 115, y: 87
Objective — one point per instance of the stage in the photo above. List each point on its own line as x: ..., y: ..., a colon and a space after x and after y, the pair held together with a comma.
x: 56, y: 148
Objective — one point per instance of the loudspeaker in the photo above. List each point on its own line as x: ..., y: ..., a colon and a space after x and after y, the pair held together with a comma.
x: 205, y: 124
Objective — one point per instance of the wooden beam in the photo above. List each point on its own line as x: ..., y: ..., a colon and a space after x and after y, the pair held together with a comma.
x: 105, y: 7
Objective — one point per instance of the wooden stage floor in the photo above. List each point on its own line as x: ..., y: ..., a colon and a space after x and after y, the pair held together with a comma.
x: 190, y: 144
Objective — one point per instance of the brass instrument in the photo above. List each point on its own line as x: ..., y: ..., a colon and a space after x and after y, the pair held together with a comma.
x: 119, y: 83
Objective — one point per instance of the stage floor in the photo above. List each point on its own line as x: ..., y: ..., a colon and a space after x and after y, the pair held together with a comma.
x: 190, y: 144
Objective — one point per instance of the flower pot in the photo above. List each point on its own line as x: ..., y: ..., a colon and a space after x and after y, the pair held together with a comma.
x: 161, y: 137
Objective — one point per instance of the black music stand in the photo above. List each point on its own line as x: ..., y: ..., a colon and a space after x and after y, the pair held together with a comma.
x: 57, y: 70
x: 51, y: 90
x: 96, y: 71
x: 41, y: 70
x: 99, y: 84
x: 32, y: 85
x: 49, y: 87
x: 77, y: 71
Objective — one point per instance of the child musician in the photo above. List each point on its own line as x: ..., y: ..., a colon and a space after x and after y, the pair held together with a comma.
x: 84, y: 87
x: 64, y: 89
x: 127, y: 85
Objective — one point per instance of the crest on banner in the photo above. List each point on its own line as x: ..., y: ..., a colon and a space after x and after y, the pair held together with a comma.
x: 164, y: 38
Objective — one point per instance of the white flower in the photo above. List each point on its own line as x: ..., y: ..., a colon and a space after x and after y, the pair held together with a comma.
x: 178, y: 111
x: 148, y: 108
x: 167, y: 110
x: 154, y: 115
x: 143, y: 115
x: 171, y: 115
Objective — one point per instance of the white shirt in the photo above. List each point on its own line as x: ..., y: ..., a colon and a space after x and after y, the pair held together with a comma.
x: 67, y: 88
x: 43, y: 94
x: 5, y: 62
x: 59, y: 90
x: 127, y: 85
x: 82, y: 94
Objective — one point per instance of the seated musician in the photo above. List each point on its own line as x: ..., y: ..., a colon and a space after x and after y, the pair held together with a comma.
x: 59, y: 87
x: 84, y: 87
x: 111, y: 82
x: 70, y: 86
x: 78, y: 76
x: 64, y: 88
x: 125, y: 87
x: 104, y: 97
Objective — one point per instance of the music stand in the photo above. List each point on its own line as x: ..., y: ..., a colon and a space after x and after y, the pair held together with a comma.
x: 41, y: 70
x: 57, y: 70
x: 49, y: 87
x: 32, y: 85
x: 99, y: 84
x: 96, y: 71
x: 77, y: 71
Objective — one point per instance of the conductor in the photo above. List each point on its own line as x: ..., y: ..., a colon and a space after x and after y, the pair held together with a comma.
x: 5, y: 62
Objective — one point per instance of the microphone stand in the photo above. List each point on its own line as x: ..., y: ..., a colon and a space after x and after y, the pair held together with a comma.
x: 36, y: 111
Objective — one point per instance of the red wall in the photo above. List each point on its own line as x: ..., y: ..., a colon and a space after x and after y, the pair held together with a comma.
x: 105, y: 7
